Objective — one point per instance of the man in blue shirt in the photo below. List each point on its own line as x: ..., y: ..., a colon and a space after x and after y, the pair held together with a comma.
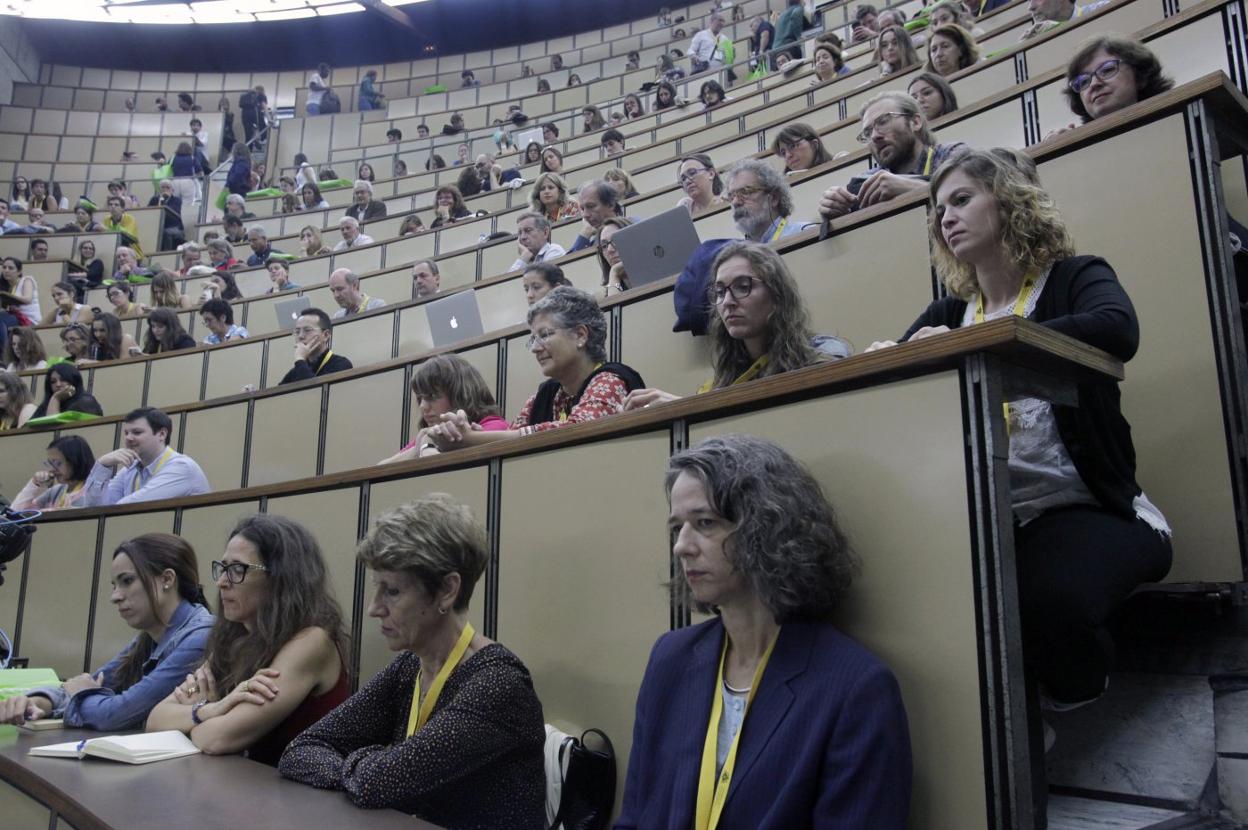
x: 261, y: 250
x: 145, y: 468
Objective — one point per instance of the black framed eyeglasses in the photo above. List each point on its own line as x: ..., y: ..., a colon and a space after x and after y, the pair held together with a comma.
x: 235, y: 572
x: 1103, y: 72
x: 740, y: 288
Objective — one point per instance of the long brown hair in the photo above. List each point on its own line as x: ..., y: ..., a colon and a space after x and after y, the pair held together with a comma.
x: 173, y: 331
x: 18, y: 395
x: 153, y: 554
x: 165, y: 292
x: 24, y: 348
x: 615, y: 222
x: 451, y: 375
x: 299, y: 597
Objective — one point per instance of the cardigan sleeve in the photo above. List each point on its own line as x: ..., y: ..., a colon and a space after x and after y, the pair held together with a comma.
x: 1099, y: 312
x: 946, y: 311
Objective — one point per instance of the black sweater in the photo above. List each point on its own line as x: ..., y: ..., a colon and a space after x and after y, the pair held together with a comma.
x: 1083, y: 299
x: 303, y: 371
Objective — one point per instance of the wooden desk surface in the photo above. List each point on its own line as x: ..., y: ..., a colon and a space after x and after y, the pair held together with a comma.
x: 222, y: 791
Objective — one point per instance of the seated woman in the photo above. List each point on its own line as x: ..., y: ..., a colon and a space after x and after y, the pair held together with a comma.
x: 552, y: 161
x: 63, y: 389
x: 951, y: 12
x: 312, y: 198
x: 220, y: 285
x: 1001, y: 248
x: 109, y: 341
x: 451, y: 730
x: 76, y: 340
x: 757, y: 545
x: 620, y: 179
x: 540, y: 278
x: 800, y: 147
x: 121, y: 296
x: 165, y: 293
x: 934, y: 94
x: 949, y: 50
x: 533, y: 153
x: 64, y: 310
x: 274, y: 662
x: 828, y: 65
x: 165, y: 333
x: 614, y: 277
x: 23, y: 289
x: 1108, y: 73
x: 569, y: 341
x: 412, y: 225
x: 712, y: 94
x: 220, y: 258
x: 87, y: 268
x: 310, y: 242
x: 279, y: 275
x: 156, y: 589
x: 16, y: 406
x: 591, y: 119
x: 84, y: 220
x: 448, y: 204
x: 665, y: 96
x: 632, y: 106
x: 24, y: 351
x: 447, y: 383
x: 700, y: 181
x: 894, y: 51
x: 760, y: 326
x: 59, y: 485
x: 549, y: 197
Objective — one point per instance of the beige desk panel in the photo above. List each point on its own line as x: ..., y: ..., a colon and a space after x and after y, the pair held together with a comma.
x: 23, y: 456
x: 21, y: 812
x: 101, y: 437
x: 175, y: 380
x: 230, y: 369
x: 284, y: 435
x: 58, y: 592
x: 124, y: 389
x: 672, y: 361
x: 214, y: 438
x: 365, y: 420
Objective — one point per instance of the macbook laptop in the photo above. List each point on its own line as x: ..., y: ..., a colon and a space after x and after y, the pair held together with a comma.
x: 657, y: 247
x: 454, y: 318
x: 288, y: 311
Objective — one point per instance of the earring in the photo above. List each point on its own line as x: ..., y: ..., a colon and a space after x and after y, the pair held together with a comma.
x: 442, y: 611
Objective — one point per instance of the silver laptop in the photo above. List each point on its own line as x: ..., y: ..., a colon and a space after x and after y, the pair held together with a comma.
x: 657, y: 247
x: 288, y: 311
x: 454, y: 318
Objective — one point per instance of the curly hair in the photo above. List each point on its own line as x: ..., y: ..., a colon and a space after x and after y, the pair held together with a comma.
x: 769, y: 179
x: 571, y: 307
x: 17, y: 395
x: 1032, y: 231
x: 1149, y: 78
x: 451, y: 375
x: 785, y: 539
x: 789, y: 337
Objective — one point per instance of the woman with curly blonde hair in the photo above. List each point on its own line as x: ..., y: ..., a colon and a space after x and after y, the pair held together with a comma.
x: 1085, y: 535
x: 549, y: 197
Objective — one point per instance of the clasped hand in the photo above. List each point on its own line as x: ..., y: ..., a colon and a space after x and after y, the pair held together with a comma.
x: 201, y: 685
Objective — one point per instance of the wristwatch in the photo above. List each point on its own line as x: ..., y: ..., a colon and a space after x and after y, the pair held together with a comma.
x: 195, y: 712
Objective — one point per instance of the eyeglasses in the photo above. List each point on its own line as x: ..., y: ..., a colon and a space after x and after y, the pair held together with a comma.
x: 539, y: 337
x: 743, y: 193
x: 877, y: 123
x: 689, y: 175
x: 300, y: 331
x: 235, y: 572
x: 53, y: 464
x: 607, y: 243
x: 740, y: 288
x: 1103, y: 72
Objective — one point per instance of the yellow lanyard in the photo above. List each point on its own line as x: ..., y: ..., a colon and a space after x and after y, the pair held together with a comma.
x: 419, y: 713
x: 927, y: 165
x: 63, y: 499
x: 164, y: 458
x: 364, y: 300
x: 324, y: 360
x: 563, y: 416
x: 749, y: 374
x: 712, y: 791
x: 1020, y: 310
x: 779, y: 229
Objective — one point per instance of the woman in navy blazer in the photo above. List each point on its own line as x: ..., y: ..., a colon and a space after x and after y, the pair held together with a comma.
x: 765, y: 717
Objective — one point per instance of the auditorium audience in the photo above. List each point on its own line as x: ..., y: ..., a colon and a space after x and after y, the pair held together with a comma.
x: 276, y: 658
x: 801, y: 148
x: 540, y: 279
x: 109, y: 342
x: 310, y: 241
x: 76, y: 340
x: 220, y: 285
x: 591, y: 119
x: 23, y: 289
x: 533, y: 241
x: 633, y: 108
x: 866, y: 23
x: 828, y: 64
x: 87, y: 268
x: 762, y: 204
x: 1061, y: 11
x: 426, y: 279
x: 279, y: 275
x: 121, y: 296
x: 412, y: 225
x: 157, y: 592
x: 117, y: 188
x: 313, y: 333
x: 1002, y: 249
x: 599, y: 201
x: 950, y: 49
x: 238, y: 180
x: 448, y: 383
x: 549, y: 197
x: 569, y: 342
x: 620, y: 179
x: 344, y: 285
x: 789, y: 27
x: 903, y: 149
x: 38, y: 251
x: 952, y: 12
x: 759, y: 548
x: 261, y: 249
x: 552, y: 161
x: 165, y: 293
x: 19, y: 195
x: 665, y: 96
x: 364, y: 207
x: 448, y: 204
x: 23, y: 350
x: 612, y: 143
x: 533, y: 153
x: 614, y: 277
x: 192, y: 255
x: 352, y: 236
x: 7, y: 225
x: 16, y: 404
x: 894, y: 51
x: 934, y: 95
x: 217, y: 315
x: 58, y: 484
x: 703, y: 188
x: 65, y: 310
x: 127, y: 265
x: 84, y: 220
x: 1110, y: 72
x: 145, y: 467
x: 172, y: 232
x: 471, y: 751
x: 63, y: 385
x: 312, y: 198
x: 165, y: 333
x: 233, y: 230
x: 711, y: 94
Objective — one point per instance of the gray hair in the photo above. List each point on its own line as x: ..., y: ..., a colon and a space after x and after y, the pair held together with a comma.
x: 905, y: 103
x: 543, y: 224
x: 221, y: 246
x: 427, y: 540
x: 164, y: 182
x: 769, y: 179
x: 350, y: 220
x: 258, y: 230
x: 572, y: 307
x: 432, y: 263
x: 606, y: 194
x: 785, y: 539
x: 235, y: 199
x: 364, y: 183
x: 191, y: 248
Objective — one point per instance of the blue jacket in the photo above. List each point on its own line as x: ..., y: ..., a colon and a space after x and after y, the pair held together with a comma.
x: 824, y: 745
x: 238, y: 180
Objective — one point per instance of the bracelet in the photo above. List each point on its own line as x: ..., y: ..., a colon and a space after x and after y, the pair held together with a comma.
x: 195, y: 719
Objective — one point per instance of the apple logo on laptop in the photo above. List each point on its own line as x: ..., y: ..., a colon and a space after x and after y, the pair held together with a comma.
x: 659, y: 252
x: 454, y: 323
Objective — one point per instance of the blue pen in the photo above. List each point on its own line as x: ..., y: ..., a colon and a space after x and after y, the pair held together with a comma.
x: 81, y: 744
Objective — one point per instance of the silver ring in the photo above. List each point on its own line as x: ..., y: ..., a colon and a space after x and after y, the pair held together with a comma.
x: 193, y: 690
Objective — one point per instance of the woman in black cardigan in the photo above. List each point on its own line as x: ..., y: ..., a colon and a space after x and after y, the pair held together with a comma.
x: 1085, y: 535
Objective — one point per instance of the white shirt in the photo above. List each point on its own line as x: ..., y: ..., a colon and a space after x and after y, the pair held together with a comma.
x: 547, y: 252
x: 362, y: 239
x: 705, y: 47
x: 314, y: 95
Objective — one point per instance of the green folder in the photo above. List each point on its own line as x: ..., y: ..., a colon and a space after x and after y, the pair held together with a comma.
x: 15, y: 682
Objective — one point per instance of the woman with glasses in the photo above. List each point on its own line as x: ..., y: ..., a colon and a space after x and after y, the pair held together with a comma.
x: 760, y: 326
x: 16, y: 407
x: 156, y: 590
x: 800, y: 147
x: 63, y: 386
x: 1085, y: 535
x: 121, y: 295
x: 614, y: 277
x: 76, y: 340
x: 275, y: 661
x: 569, y: 342
x: 452, y: 730
x: 703, y: 188
x: 1109, y: 73
x: 950, y: 49
x: 59, y: 484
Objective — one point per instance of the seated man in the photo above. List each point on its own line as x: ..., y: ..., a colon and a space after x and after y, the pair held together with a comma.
x: 612, y: 143
x: 217, y: 315
x: 349, y: 227
x: 192, y: 255
x: 761, y: 201
x: 233, y: 227
x: 422, y: 130
x: 146, y: 468
x: 172, y: 232
x: 599, y: 201
x: 38, y: 250
x: 866, y: 23
x: 261, y: 250
x: 6, y: 224
x: 394, y: 135
x: 128, y: 265
x: 313, y: 332
x: 36, y: 221
x: 468, y: 79
x: 236, y: 205
x: 903, y: 148
x: 344, y: 284
x: 117, y: 187
x: 426, y: 278
x: 365, y: 208
x: 123, y: 223
x: 550, y: 133
x: 533, y: 235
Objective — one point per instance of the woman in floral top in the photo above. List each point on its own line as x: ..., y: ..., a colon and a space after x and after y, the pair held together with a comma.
x: 569, y: 336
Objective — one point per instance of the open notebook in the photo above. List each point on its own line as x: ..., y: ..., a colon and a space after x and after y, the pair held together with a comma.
x: 129, y: 749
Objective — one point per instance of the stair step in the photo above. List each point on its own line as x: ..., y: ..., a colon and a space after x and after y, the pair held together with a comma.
x: 1072, y: 813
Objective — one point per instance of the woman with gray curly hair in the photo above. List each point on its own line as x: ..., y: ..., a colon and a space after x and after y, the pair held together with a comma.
x: 569, y: 341
x: 797, y: 725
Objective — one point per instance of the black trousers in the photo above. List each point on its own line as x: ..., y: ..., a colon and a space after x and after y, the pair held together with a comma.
x: 1075, y: 567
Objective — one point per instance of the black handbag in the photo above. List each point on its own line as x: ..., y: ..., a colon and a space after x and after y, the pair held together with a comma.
x: 588, y: 792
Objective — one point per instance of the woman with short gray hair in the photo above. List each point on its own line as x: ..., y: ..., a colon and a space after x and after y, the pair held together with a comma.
x: 452, y: 730
x: 569, y: 341
x: 758, y: 545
